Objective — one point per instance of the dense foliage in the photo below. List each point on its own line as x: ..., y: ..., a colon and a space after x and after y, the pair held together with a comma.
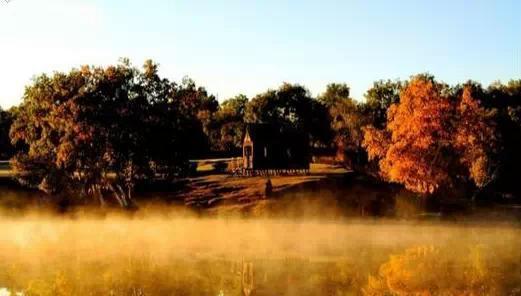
x: 6, y: 120
x: 227, y: 128
x: 432, y: 139
x: 293, y: 106
x: 101, y: 130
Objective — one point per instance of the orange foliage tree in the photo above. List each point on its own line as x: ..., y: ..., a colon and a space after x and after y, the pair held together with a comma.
x: 474, y: 137
x: 432, y: 138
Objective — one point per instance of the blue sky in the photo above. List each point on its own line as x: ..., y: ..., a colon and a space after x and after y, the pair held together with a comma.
x: 234, y: 47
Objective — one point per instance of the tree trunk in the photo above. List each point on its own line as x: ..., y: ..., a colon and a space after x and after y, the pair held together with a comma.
x: 98, y: 192
x: 117, y: 196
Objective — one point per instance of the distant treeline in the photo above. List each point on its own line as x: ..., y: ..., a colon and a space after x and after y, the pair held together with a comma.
x: 97, y: 131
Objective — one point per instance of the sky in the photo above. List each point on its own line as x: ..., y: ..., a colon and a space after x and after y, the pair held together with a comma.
x: 247, y: 47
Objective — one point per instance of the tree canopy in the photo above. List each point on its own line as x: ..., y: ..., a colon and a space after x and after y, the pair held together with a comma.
x: 291, y: 105
x: 228, y: 126
x: 335, y: 93
x: 431, y: 139
x: 99, y: 130
x: 379, y: 98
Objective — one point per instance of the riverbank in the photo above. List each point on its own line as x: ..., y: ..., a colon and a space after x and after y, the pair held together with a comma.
x: 328, y: 192
x: 206, y: 190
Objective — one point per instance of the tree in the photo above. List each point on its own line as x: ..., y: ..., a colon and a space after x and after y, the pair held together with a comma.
x: 347, y: 120
x: 228, y: 126
x: 98, y: 131
x: 432, y: 139
x: 379, y: 98
x: 6, y: 119
x: 474, y: 138
x: 292, y: 106
x: 505, y: 99
x: 196, y: 103
x: 335, y: 93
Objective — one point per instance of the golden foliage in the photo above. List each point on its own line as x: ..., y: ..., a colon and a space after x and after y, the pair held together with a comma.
x: 474, y: 135
x: 418, y: 135
x: 431, y: 139
x: 376, y: 142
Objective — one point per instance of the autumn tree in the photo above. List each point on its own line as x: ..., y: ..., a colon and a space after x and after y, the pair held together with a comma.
x: 349, y: 117
x: 98, y: 131
x: 432, y: 139
x: 475, y: 137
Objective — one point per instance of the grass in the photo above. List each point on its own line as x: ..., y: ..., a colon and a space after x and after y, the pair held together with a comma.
x: 231, y: 191
x: 212, y: 187
x: 5, y: 169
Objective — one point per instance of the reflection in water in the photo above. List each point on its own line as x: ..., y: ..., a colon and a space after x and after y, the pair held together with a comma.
x: 217, y: 256
x: 303, y: 241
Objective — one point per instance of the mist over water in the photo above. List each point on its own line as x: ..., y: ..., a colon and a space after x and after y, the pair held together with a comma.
x: 169, y: 254
x: 335, y: 238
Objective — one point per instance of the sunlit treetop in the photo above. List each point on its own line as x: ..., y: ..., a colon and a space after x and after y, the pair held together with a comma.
x: 431, y: 139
